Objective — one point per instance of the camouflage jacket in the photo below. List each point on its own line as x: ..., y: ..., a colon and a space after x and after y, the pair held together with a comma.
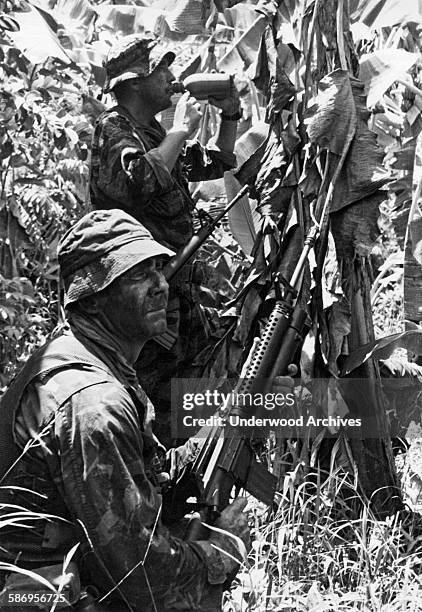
x: 87, y: 461
x: 128, y: 172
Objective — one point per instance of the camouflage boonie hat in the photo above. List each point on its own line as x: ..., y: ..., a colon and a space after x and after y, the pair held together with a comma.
x: 132, y: 57
x: 99, y: 248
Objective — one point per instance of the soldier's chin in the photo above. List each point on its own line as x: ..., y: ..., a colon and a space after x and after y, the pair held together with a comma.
x: 167, y: 103
x: 158, y: 322
x: 160, y: 329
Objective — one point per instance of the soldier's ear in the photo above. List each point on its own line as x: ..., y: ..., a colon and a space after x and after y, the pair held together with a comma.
x: 93, y: 304
x: 135, y: 85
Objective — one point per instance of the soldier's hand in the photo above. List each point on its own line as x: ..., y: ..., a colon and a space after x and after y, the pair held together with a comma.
x: 229, y: 105
x: 232, y: 521
x: 187, y: 114
x: 285, y: 384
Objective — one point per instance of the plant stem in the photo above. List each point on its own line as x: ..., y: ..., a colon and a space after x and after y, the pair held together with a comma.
x: 340, y: 35
x: 309, y: 52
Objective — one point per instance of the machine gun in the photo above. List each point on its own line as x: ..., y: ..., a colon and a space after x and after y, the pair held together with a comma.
x: 226, y: 458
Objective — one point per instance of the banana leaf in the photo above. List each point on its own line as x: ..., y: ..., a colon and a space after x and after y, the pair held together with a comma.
x: 35, y: 38
x: 330, y: 118
x: 363, y: 172
x: 379, y: 70
x: 383, y: 349
x: 250, y: 142
x: 189, y: 16
x: 355, y: 229
x: 268, y: 7
x: 74, y: 13
x: 384, y: 13
x: 270, y: 77
x: 129, y: 19
x: 244, y: 50
x: 241, y: 16
x: 249, y: 150
x: 400, y: 368
x: 243, y: 217
x: 274, y: 199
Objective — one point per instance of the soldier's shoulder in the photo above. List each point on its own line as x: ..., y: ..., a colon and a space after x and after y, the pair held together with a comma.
x: 113, y: 118
x: 106, y: 403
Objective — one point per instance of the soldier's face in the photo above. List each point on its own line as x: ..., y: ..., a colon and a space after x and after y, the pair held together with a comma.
x: 156, y: 89
x: 137, y: 301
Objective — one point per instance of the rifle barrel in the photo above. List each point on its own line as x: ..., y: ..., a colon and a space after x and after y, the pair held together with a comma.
x: 198, y: 239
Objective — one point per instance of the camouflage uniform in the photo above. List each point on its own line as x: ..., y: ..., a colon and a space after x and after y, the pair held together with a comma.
x: 127, y: 172
x: 93, y: 467
x: 78, y: 461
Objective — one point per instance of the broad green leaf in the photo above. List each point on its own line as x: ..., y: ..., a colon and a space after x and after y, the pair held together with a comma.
x: 35, y: 39
x: 384, y: 348
x: 128, y: 19
x: 380, y: 69
x: 74, y: 13
x: 243, y: 218
x: 363, y: 172
x: 384, y: 13
x: 249, y: 150
x: 268, y: 186
x: 244, y: 50
x: 250, y: 142
x: 330, y: 118
x: 210, y: 191
x: 241, y: 17
x: 188, y: 16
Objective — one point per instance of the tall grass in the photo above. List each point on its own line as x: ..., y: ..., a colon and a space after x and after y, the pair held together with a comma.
x: 313, y: 555
x: 321, y: 550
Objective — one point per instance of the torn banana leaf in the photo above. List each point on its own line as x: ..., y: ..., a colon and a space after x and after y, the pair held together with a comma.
x: 330, y: 119
x: 384, y: 348
x: 274, y: 199
x: 250, y: 142
x: 243, y: 217
x: 35, y: 39
x: 355, y: 229
x: 269, y: 76
x: 244, y: 51
x: 129, y: 19
x: 188, y: 16
x: 249, y: 150
x: 379, y: 70
x: 363, y: 172
x: 385, y: 13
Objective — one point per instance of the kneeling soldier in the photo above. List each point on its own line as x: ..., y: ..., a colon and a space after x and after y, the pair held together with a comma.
x: 78, y: 462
